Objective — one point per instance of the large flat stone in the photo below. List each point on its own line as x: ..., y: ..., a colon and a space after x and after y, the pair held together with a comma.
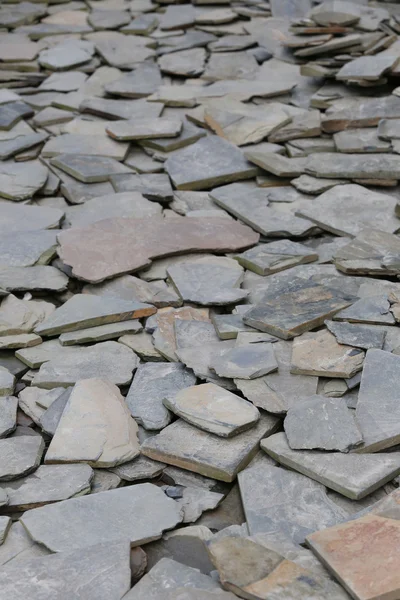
x: 25, y: 218
x: 8, y: 415
x: 247, y: 361
x: 29, y: 279
x: 275, y: 256
x: 20, y: 456
x: 358, y: 335
x: 19, y: 181
x: 144, y: 129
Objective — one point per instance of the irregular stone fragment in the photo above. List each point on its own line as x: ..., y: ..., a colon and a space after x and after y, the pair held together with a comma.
x: 20, y: 456
x: 352, y: 475
x: 365, y: 113
x: 360, y: 140
x: 319, y: 354
x: 304, y: 508
x: 230, y: 65
x: 121, y: 109
x: 17, y: 218
x: 8, y: 415
x: 277, y: 164
x: 187, y: 447
x: 245, y: 362
x: 321, y: 423
x: 373, y: 310
x: 13, y: 112
x: 19, y: 545
x: 49, y: 483
x: 187, y: 63
x: 154, y: 186
x: 92, y: 145
x: 96, y: 518
x: 5, y: 524
x: 110, y: 19
x: 356, y: 166
x: 32, y: 401
x: 195, y: 501
x: 66, y: 55
x: 371, y: 252
x: 123, y: 52
x: 101, y: 572
x: 21, y: 316
x: 358, y: 335
x: 100, y: 333
x: 144, y: 129
x: 139, y: 469
x: 27, y: 248
x: 21, y: 143
x: 144, y: 80
x: 103, y: 481
x: 305, y: 125
x: 84, y: 248
x: 50, y: 419
x: 152, y: 383
x: 367, y: 68
x: 142, y: 345
x: 7, y: 382
x: 275, y: 256
x: 89, y: 169
x: 228, y: 326
x: 36, y: 278
x: 21, y: 181
x: 35, y: 357
x: 95, y: 427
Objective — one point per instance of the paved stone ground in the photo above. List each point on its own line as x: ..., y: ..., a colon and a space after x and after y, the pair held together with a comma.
x: 199, y: 300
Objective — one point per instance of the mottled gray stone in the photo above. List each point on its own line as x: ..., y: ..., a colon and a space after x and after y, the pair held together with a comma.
x: 154, y: 186
x: 86, y: 310
x: 96, y: 518
x: 187, y: 63
x: 28, y: 248
x: 373, y: 310
x: 13, y: 112
x: 121, y: 109
x: 352, y: 475
x: 108, y: 360
x: 49, y: 483
x: 198, y: 356
x: 371, y: 252
x: 209, y: 162
x: 21, y: 316
x: 228, y: 326
x: 101, y: 572
x: 144, y: 80
x: 130, y: 288
x: 360, y: 141
x: 188, y: 135
x: 109, y: 19
x: 245, y: 362
x: 100, y: 333
x: 276, y: 256
x: 355, y: 166
x: 237, y: 65
x: 187, y: 447
x: 358, y: 335
x: 36, y: 356
x: 8, y: 415
x: 20, y: 456
x: 304, y: 506
x: 19, y: 181
x: 138, y: 469
x: 278, y: 165
x: 142, y: 345
x: 17, y: 218
x: 321, y: 423
x: 79, y: 143
x: 9, y: 148
x: 89, y: 169
x: 3, y: 502
x: 5, y: 524
x: 104, y: 480
x: 7, y: 382
x: 194, y: 501
x: 123, y: 52
x: 36, y: 278
x: 65, y: 55
x: 144, y: 129
x: 152, y: 383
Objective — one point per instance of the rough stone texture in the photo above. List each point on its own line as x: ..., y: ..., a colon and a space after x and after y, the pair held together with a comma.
x: 245, y: 362
x: 8, y: 415
x: 276, y: 256
x: 358, y: 335
x: 5, y: 524
x: 20, y: 456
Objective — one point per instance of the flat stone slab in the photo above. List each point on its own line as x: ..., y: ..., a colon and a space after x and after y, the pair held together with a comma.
x: 101, y: 333
x: 29, y: 279
x: 140, y: 468
x: 19, y: 181
x: 187, y: 447
x: 321, y: 423
x: 320, y: 355
x: 358, y: 335
x: 96, y: 518
x: 121, y: 109
x: 209, y: 162
x: 49, y: 483
x: 89, y: 169
x: 303, y: 508
x: 25, y: 218
x: 103, y: 572
x: 214, y: 409
x: 352, y: 475
x: 371, y: 252
x: 187, y: 63
x: 5, y: 524
x: 95, y: 427
x: 86, y: 310
x: 20, y: 456
x: 116, y: 246
x: 108, y: 360
x: 367, y: 113
x: 28, y: 248
x: 8, y: 415
x: 356, y: 166
x: 80, y: 143
x: 245, y: 362
x: 144, y: 129
x: 144, y: 80
x: 152, y: 383
x: 374, y: 310
x: 276, y: 256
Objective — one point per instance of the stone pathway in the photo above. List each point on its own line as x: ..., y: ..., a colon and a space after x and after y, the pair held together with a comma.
x: 199, y: 300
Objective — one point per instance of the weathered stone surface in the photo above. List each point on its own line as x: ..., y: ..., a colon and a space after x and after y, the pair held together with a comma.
x: 352, y: 475
x: 95, y: 519
x: 374, y: 310
x: 213, y: 409
x: 88, y: 169
x: 194, y: 501
x: 3, y: 500
x: 27, y: 248
x: 245, y: 362
x: 321, y: 423
x: 129, y: 288
x: 100, y: 333
x: 21, y: 181
x: 167, y: 321
x: 95, y: 427
x: 121, y: 109
x: 187, y: 447
x: 36, y: 278
x: 371, y: 252
x: 83, y: 249
x: 358, y: 335
x: 17, y: 218
x: 124, y: 51
x: 19, y: 545
x: 304, y: 507
x: 49, y: 483
x: 138, y: 469
x: 145, y: 79
x: 20, y: 456
x: 101, y: 572
x: 187, y: 63
x: 7, y: 382
x: 144, y: 129
x: 21, y: 316
x: 228, y: 326
x: 319, y: 354
x: 50, y: 419
x: 276, y: 256
x: 356, y: 166
x: 8, y: 415
x: 142, y: 345
x: 103, y: 481
x: 91, y: 145
x: 5, y: 524
x: 360, y: 141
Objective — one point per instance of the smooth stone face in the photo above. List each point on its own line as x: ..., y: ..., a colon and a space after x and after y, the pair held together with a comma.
x: 5, y: 524
x: 21, y: 181
x: 144, y: 80
x: 229, y: 65
x: 228, y: 326
x: 358, y: 335
x: 276, y: 256
x: 352, y: 475
x: 100, y: 333
x: 49, y: 483
x: 363, y: 576
x: 19, y: 545
x: 360, y: 141
x: 278, y: 165
x: 319, y: 354
x: 195, y: 501
x: 209, y: 162
x: 89, y: 169
x: 21, y: 316
x: 103, y: 481
x: 347, y: 209
x: 213, y: 409
x: 102, y: 572
x: 245, y: 362
x: 17, y: 218
x: 366, y: 113
x: 20, y: 456
x: 9, y: 148
x: 321, y: 423
x: 295, y: 307
x: 124, y: 52
x: 50, y: 419
x: 144, y: 129
x: 3, y: 502
x: 108, y: 360
x: 142, y: 345
x: 95, y: 519
x: 304, y: 507
x: 377, y: 408
x: 92, y: 145
x: 187, y: 447
x: 89, y: 252
x: 152, y: 383
x: 8, y: 415
x: 154, y: 186
x: 187, y: 63
x: 138, y: 469
x: 37, y: 278
x: 356, y: 166
x: 86, y: 310
x: 121, y: 109
x: 167, y: 328
x: 95, y: 427
x: 35, y: 357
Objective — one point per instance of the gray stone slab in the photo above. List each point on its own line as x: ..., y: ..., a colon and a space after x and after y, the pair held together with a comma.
x: 152, y: 383
x: 8, y: 415
x: 36, y: 278
x: 28, y: 248
x: 296, y: 504
x: 372, y: 310
x: 367, y: 113
x: 276, y: 256
x: 123, y: 52
x: 139, y: 469
x: 154, y: 186
x: 357, y: 166
x: 101, y: 333
x: 9, y: 148
x: 49, y: 483
x: 21, y: 181
x: 36, y: 356
x: 371, y: 252
x: 358, y: 335
x: 360, y: 141
x: 66, y: 55
x: 89, y: 169
x: 7, y: 382
x: 128, y: 287
x: 17, y: 218
x: 198, y: 356
x: 321, y: 423
x: 195, y: 501
x: 103, y: 480
x: 187, y: 447
x: 110, y: 19
x: 50, y: 419
x: 5, y: 524
x: 13, y: 112
x: 144, y: 80
x: 228, y: 65
x: 187, y: 63
x: 367, y: 68
x: 245, y: 362
x: 19, y: 545
x: 20, y: 456
x: 352, y: 475
x: 189, y: 135
x: 144, y: 129
x: 121, y: 109
x: 93, y: 145
x: 278, y: 165
x: 97, y: 518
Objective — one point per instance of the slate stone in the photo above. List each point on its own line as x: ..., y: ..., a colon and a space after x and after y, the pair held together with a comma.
x: 358, y: 166
x: 228, y: 65
x: 7, y: 382
x: 21, y: 316
x: 121, y: 109
x: 209, y: 162
x: 108, y: 360
x: 187, y: 447
x: 17, y: 218
x: 100, y: 333
x: 275, y: 256
x: 21, y: 181
x: 20, y: 456
x: 371, y: 252
x: 138, y: 469
x: 213, y: 409
x: 12, y: 147
x: 286, y: 314
x: 27, y: 248
x: 66, y: 55
x: 36, y: 356
x: 304, y: 508
x: 191, y: 39
x: 245, y: 362
x: 229, y: 326
x: 165, y: 330
x: 189, y: 135
x: 4, y: 501
x: 358, y: 335
x: 144, y: 129
x: 5, y: 523
x: 49, y: 483
x: 86, y: 310
x: 92, y: 145
x: 142, y: 345
x: 110, y: 19
x: 172, y: 236
x: 8, y: 415
x: 123, y: 52
x: 373, y: 310
x: 187, y: 63
x: 19, y: 545
x: 319, y: 354
x: 141, y: 25
x: 144, y: 80
x: 50, y: 419
x: 82, y: 516
x: 152, y: 383
x: 102, y: 572
x: 352, y: 475
x: 63, y: 82
x: 360, y: 141
x: 13, y: 112
x: 277, y: 164
x: 154, y: 186
x: 321, y: 423
x: 88, y: 169
x: 104, y: 480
